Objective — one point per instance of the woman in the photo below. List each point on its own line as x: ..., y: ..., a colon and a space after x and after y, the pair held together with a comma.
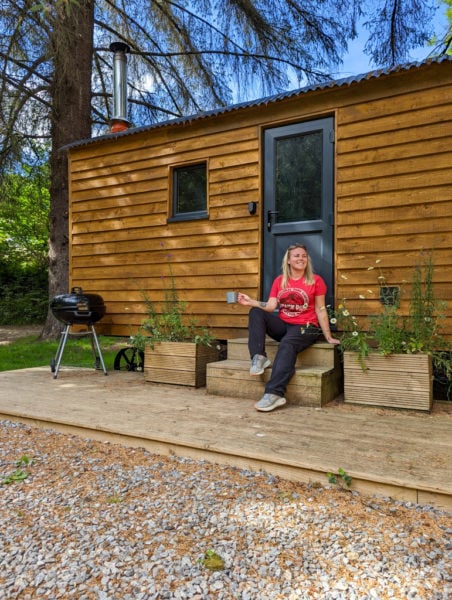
x: 299, y: 295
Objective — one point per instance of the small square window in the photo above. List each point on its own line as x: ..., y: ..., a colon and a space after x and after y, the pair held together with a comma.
x: 190, y: 192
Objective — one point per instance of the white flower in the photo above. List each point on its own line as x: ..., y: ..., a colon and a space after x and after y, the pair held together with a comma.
x: 345, y: 313
x: 355, y: 334
x: 361, y: 297
x: 344, y: 277
x: 333, y: 321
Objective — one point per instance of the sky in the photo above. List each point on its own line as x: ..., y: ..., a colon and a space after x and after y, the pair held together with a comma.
x: 356, y: 62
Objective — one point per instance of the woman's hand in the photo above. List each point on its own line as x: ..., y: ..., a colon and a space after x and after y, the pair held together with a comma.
x: 331, y: 340
x: 243, y: 299
x: 269, y: 306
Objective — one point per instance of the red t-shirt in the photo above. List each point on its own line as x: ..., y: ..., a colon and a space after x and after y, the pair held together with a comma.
x: 296, y: 301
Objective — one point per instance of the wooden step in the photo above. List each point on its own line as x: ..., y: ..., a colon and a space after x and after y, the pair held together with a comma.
x: 319, y: 354
x: 317, y: 379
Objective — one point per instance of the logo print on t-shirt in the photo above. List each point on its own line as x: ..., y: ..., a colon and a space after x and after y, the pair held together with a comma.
x: 293, y: 301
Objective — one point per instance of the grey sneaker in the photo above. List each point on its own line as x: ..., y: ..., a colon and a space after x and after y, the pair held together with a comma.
x: 269, y: 402
x: 258, y: 364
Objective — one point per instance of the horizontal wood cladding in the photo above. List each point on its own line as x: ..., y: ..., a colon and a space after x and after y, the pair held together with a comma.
x: 197, y: 258
x: 150, y: 175
x: 153, y: 149
x: 393, y: 198
x: 394, y: 174
x: 374, y: 145
x: 123, y: 243
x: 398, y: 227
x: 394, y: 192
x: 385, y: 115
x: 357, y: 207
x: 399, y: 259
x: 123, y: 246
x: 218, y: 271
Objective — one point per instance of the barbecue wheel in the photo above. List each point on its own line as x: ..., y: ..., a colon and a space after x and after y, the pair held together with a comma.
x: 129, y: 359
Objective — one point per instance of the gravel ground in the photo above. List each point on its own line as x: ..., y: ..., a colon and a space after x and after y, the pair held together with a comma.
x: 97, y: 521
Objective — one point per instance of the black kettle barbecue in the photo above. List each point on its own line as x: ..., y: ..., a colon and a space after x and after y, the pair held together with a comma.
x: 78, y: 308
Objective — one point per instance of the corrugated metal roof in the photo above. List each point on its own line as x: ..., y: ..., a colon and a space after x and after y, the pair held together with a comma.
x: 261, y: 101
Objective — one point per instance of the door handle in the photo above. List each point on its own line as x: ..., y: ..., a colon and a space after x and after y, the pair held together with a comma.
x: 270, y: 214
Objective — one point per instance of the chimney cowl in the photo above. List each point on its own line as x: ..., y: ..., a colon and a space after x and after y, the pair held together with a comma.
x: 119, y: 47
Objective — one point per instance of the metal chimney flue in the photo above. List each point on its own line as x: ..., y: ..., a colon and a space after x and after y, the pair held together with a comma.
x: 119, y: 121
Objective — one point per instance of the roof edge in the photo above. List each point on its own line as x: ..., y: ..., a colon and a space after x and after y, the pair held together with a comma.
x: 334, y: 83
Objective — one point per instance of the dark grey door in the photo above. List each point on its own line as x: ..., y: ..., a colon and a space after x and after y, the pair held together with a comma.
x: 298, y: 197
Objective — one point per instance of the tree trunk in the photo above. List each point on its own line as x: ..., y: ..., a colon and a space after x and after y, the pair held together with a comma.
x: 72, y: 41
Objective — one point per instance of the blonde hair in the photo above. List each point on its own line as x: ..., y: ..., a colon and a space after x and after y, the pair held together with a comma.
x: 285, y: 267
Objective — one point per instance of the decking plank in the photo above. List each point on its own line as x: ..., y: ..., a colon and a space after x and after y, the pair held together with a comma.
x: 401, y: 453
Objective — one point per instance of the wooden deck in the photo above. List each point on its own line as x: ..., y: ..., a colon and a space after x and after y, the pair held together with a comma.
x: 403, y: 454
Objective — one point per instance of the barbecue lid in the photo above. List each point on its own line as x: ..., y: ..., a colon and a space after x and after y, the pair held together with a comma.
x: 78, y: 307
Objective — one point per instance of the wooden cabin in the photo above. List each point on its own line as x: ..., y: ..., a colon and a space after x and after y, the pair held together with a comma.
x: 358, y: 169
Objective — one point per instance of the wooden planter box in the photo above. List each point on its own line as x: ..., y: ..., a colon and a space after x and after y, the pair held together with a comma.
x: 180, y: 363
x: 395, y: 381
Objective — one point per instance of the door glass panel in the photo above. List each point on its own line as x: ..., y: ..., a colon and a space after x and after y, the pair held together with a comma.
x: 298, y: 177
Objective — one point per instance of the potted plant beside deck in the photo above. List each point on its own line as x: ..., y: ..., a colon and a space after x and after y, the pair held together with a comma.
x: 176, y: 350
x: 388, y: 361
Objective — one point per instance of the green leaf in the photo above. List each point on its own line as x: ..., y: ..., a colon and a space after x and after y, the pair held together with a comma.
x: 331, y: 478
x: 213, y: 561
x: 19, y: 475
x: 24, y: 460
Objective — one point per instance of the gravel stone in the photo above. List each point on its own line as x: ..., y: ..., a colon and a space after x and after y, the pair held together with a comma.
x: 98, y: 521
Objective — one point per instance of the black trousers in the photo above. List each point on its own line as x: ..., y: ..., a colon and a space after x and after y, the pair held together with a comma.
x: 291, y: 340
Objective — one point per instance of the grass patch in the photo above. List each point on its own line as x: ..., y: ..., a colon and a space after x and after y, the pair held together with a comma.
x: 28, y: 352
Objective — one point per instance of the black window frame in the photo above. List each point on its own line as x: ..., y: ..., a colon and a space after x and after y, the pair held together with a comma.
x: 188, y: 215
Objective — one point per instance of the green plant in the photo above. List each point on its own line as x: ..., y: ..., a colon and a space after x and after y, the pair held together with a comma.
x: 352, y: 336
x: 25, y: 460
x: 115, y: 499
x: 18, y: 474
x: 170, y: 323
x: 212, y: 561
x: 23, y: 294
x: 427, y: 314
x: 393, y: 332
x: 24, y: 242
x: 339, y: 478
